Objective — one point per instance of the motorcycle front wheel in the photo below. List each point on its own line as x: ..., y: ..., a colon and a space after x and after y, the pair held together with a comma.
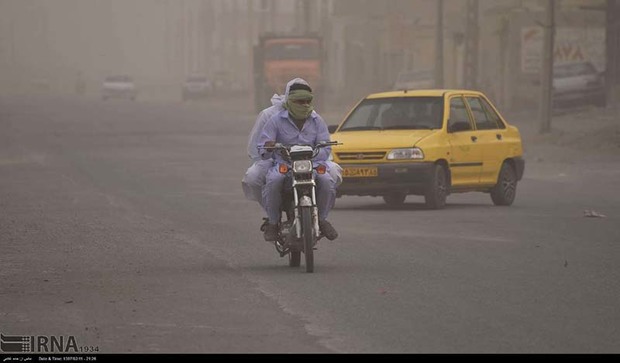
x: 308, y: 237
x: 294, y: 258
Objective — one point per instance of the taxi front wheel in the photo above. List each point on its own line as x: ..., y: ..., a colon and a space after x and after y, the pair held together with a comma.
x: 437, y: 189
x: 505, y: 191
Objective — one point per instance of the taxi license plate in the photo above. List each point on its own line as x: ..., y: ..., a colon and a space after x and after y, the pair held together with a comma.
x: 359, y: 172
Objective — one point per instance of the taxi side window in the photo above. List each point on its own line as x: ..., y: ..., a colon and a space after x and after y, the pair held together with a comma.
x: 458, y: 118
x: 481, y: 117
x: 492, y: 114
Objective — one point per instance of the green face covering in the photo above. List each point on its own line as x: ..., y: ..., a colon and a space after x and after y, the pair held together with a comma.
x: 296, y: 110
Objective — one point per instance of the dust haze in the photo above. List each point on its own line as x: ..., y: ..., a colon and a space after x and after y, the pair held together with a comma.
x: 69, y: 46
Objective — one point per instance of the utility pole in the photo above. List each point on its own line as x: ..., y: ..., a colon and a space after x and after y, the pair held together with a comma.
x: 255, y: 77
x: 250, y: 15
x: 546, y: 69
x: 471, y: 45
x: 306, y: 17
x: 325, y: 31
x: 273, y: 12
x: 187, y: 37
x: 209, y: 30
x: 611, y: 8
x: 237, y: 62
x: 297, y: 16
x: 183, y: 39
x: 439, y: 74
x: 503, y: 89
x: 324, y: 18
x: 612, y: 38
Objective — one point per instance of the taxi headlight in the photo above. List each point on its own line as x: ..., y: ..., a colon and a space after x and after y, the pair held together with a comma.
x: 302, y: 166
x: 403, y: 154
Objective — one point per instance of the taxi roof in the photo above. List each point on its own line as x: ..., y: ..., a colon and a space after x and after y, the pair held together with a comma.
x: 420, y: 93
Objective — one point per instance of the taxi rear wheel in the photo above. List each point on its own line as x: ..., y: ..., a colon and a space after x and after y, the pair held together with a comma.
x: 437, y: 189
x: 394, y: 199
x: 505, y: 191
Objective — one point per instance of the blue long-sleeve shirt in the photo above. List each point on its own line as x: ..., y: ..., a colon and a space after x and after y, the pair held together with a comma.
x: 261, y: 120
x: 281, y: 129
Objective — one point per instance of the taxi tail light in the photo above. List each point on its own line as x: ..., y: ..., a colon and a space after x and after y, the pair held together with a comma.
x: 283, y: 168
x: 321, y: 169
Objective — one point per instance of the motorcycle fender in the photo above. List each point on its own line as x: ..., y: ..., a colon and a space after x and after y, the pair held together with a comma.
x: 305, y: 201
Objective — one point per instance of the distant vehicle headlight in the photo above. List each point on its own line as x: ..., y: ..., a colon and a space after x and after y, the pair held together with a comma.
x: 403, y: 154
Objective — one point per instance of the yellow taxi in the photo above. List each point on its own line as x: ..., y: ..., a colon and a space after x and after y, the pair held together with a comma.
x: 429, y: 143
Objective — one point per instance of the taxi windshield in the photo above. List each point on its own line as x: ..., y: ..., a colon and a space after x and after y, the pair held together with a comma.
x: 404, y: 113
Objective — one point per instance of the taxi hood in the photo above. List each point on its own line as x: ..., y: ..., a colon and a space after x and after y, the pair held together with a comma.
x: 379, y: 139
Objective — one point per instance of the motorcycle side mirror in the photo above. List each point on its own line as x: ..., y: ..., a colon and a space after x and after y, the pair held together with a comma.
x: 332, y: 128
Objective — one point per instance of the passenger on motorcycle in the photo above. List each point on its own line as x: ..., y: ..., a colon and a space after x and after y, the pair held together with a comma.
x: 254, y: 178
x: 296, y: 123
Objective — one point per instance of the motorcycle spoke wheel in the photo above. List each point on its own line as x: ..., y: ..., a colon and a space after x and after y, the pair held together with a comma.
x: 294, y: 258
x: 308, y: 237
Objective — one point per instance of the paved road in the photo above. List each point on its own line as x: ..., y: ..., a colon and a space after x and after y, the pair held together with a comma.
x: 123, y: 224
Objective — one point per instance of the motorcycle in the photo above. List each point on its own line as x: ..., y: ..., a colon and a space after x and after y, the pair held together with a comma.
x: 300, y: 232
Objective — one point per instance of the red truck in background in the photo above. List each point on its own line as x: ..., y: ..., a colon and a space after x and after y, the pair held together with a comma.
x: 280, y: 58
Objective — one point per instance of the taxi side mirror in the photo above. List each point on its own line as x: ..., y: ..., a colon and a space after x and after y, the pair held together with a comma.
x: 332, y: 128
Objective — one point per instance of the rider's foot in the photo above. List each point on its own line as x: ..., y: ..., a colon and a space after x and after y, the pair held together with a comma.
x: 271, y: 232
x: 328, y: 230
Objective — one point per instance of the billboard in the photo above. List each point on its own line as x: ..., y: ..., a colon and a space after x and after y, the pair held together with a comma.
x: 571, y: 44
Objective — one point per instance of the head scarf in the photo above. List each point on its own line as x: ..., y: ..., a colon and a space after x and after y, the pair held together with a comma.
x: 280, y: 100
x: 299, y: 111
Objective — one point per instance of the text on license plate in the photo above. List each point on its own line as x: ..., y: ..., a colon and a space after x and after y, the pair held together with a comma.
x: 359, y: 172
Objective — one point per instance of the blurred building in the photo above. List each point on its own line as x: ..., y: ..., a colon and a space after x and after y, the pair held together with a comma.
x: 492, y: 45
x: 158, y: 42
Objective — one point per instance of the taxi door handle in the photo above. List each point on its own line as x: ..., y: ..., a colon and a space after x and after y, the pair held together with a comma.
x: 499, y: 136
x: 474, y: 138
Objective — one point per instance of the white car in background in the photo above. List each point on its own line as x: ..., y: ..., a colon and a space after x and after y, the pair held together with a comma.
x: 197, y: 87
x: 119, y: 86
x: 577, y: 83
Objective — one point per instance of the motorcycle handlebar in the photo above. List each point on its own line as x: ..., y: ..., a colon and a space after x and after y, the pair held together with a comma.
x: 279, y: 146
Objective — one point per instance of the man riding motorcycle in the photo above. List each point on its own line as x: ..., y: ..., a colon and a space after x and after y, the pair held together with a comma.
x: 296, y: 123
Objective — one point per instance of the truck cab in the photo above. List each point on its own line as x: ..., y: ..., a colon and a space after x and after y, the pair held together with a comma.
x: 278, y: 59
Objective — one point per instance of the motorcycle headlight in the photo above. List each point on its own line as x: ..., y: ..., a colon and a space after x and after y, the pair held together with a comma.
x: 403, y: 154
x: 302, y: 166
